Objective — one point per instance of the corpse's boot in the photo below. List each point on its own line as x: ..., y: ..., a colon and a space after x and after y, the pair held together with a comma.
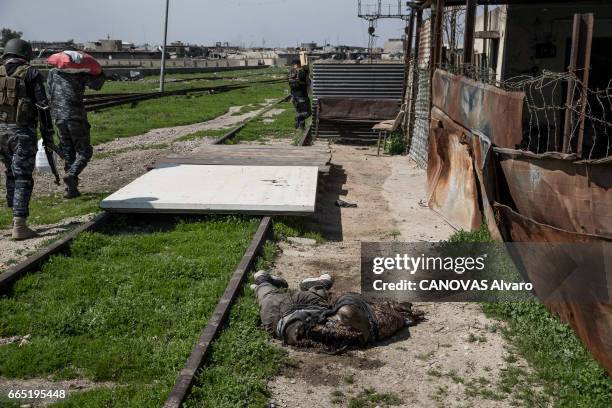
x: 71, y: 186
x: 263, y: 277
x: 325, y: 281
x: 21, y: 230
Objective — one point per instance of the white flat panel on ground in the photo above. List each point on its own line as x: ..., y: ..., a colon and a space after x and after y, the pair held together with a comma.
x: 219, y: 189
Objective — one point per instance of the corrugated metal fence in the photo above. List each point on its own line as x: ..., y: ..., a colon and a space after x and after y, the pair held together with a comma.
x: 364, y: 80
x: 418, y: 141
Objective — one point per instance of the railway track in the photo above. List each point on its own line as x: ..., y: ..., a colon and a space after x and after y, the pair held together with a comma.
x: 98, y: 102
x: 187, y: 376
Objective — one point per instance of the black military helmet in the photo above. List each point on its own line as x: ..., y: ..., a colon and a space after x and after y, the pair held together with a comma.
x: 19, y: 48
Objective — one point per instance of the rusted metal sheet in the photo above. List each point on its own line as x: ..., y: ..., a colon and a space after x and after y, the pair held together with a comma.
x: 452, y: 184
x: 557, y: 190
x: 566, y: 277
x: 350, y: 109
x: 479, y: 107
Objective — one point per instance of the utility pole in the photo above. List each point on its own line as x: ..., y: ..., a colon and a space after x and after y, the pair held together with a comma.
x: 162, y: 73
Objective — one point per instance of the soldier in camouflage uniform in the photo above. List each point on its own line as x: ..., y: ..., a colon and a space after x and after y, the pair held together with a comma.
x: 66, y: 91
x: 298, y: 84
x: 22, y: 90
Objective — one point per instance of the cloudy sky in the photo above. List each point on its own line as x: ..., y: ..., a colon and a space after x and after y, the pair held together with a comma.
x: 242, y: 22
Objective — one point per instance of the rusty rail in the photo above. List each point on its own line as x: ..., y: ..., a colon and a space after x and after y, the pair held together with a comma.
x: 99, y: 102
x: 187, y: 376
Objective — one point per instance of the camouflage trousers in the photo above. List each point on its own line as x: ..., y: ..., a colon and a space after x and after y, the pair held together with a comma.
x: 303, y: 110
x: 18, y: 154
x: 75, y: 142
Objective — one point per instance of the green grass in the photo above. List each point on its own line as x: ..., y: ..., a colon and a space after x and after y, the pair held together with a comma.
x: 369, y: 398
x: 280, y: 126
x: 570, y: 375
x: 560, y: 363
x: 125, y: 309
x: 125, y: 121
x: 241, y: 362
x: 151, y: 84
x: 396, y: 144
x: 53, y: 208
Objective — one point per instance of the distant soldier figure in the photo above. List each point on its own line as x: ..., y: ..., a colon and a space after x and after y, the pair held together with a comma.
x: 66, y: 92
x: 23, y: 101
x: 298, y: 83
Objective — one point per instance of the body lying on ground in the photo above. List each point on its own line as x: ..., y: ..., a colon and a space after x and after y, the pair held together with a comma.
x: 310, y: 317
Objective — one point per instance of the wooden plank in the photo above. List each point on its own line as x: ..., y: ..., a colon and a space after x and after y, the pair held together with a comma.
x: 35, y: 261
x: 207, y: 189
x: 238, y: 161
x: 580, y: 60
x: 296, y: 149
x: 187, y: 376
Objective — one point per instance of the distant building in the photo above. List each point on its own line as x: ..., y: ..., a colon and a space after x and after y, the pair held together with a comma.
x: 310, y: 46
x: 394, y: 46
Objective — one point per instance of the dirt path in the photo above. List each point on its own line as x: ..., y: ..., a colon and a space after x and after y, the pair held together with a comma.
x: 451, y: 360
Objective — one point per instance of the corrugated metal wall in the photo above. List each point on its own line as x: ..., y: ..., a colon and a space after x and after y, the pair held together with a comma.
x: 364, y: 80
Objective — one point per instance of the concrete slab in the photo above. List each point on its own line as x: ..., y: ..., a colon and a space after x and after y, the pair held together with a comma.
x: 184, y: 188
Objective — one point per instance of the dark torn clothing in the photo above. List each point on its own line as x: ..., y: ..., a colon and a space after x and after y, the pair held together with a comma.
x: 18, y: 154
x: 276, y: 303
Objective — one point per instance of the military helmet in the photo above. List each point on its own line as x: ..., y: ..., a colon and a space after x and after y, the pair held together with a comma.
x: 18, y: 47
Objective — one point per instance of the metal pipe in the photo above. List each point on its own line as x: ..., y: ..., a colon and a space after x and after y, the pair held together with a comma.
x: 162, y: 73
x: 470, y: 22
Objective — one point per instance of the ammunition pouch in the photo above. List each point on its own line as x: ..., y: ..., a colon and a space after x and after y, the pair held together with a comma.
x: 15, y: 106
x: 26, y: 113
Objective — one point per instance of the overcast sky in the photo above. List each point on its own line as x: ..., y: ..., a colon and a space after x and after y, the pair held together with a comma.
x: 248, y: 22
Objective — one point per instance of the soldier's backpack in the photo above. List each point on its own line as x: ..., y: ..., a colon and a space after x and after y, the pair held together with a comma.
x: 15, y: 106
x: 294, y: 79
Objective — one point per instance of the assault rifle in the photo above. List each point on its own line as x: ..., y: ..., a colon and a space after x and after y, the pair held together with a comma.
x: 46, y: 131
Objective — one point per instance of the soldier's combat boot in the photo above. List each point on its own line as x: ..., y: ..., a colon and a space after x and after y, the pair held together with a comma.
x: 21, y: 230
x: 72, y: 183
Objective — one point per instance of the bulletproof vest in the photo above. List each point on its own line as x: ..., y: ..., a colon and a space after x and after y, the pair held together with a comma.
x: 294, y: 78
x: 15, y: 106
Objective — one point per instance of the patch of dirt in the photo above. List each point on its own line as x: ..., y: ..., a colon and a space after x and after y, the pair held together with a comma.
x: 271, y: 114
x: 427, y: 365
x: 12, y: 252
x: 42, y: 384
